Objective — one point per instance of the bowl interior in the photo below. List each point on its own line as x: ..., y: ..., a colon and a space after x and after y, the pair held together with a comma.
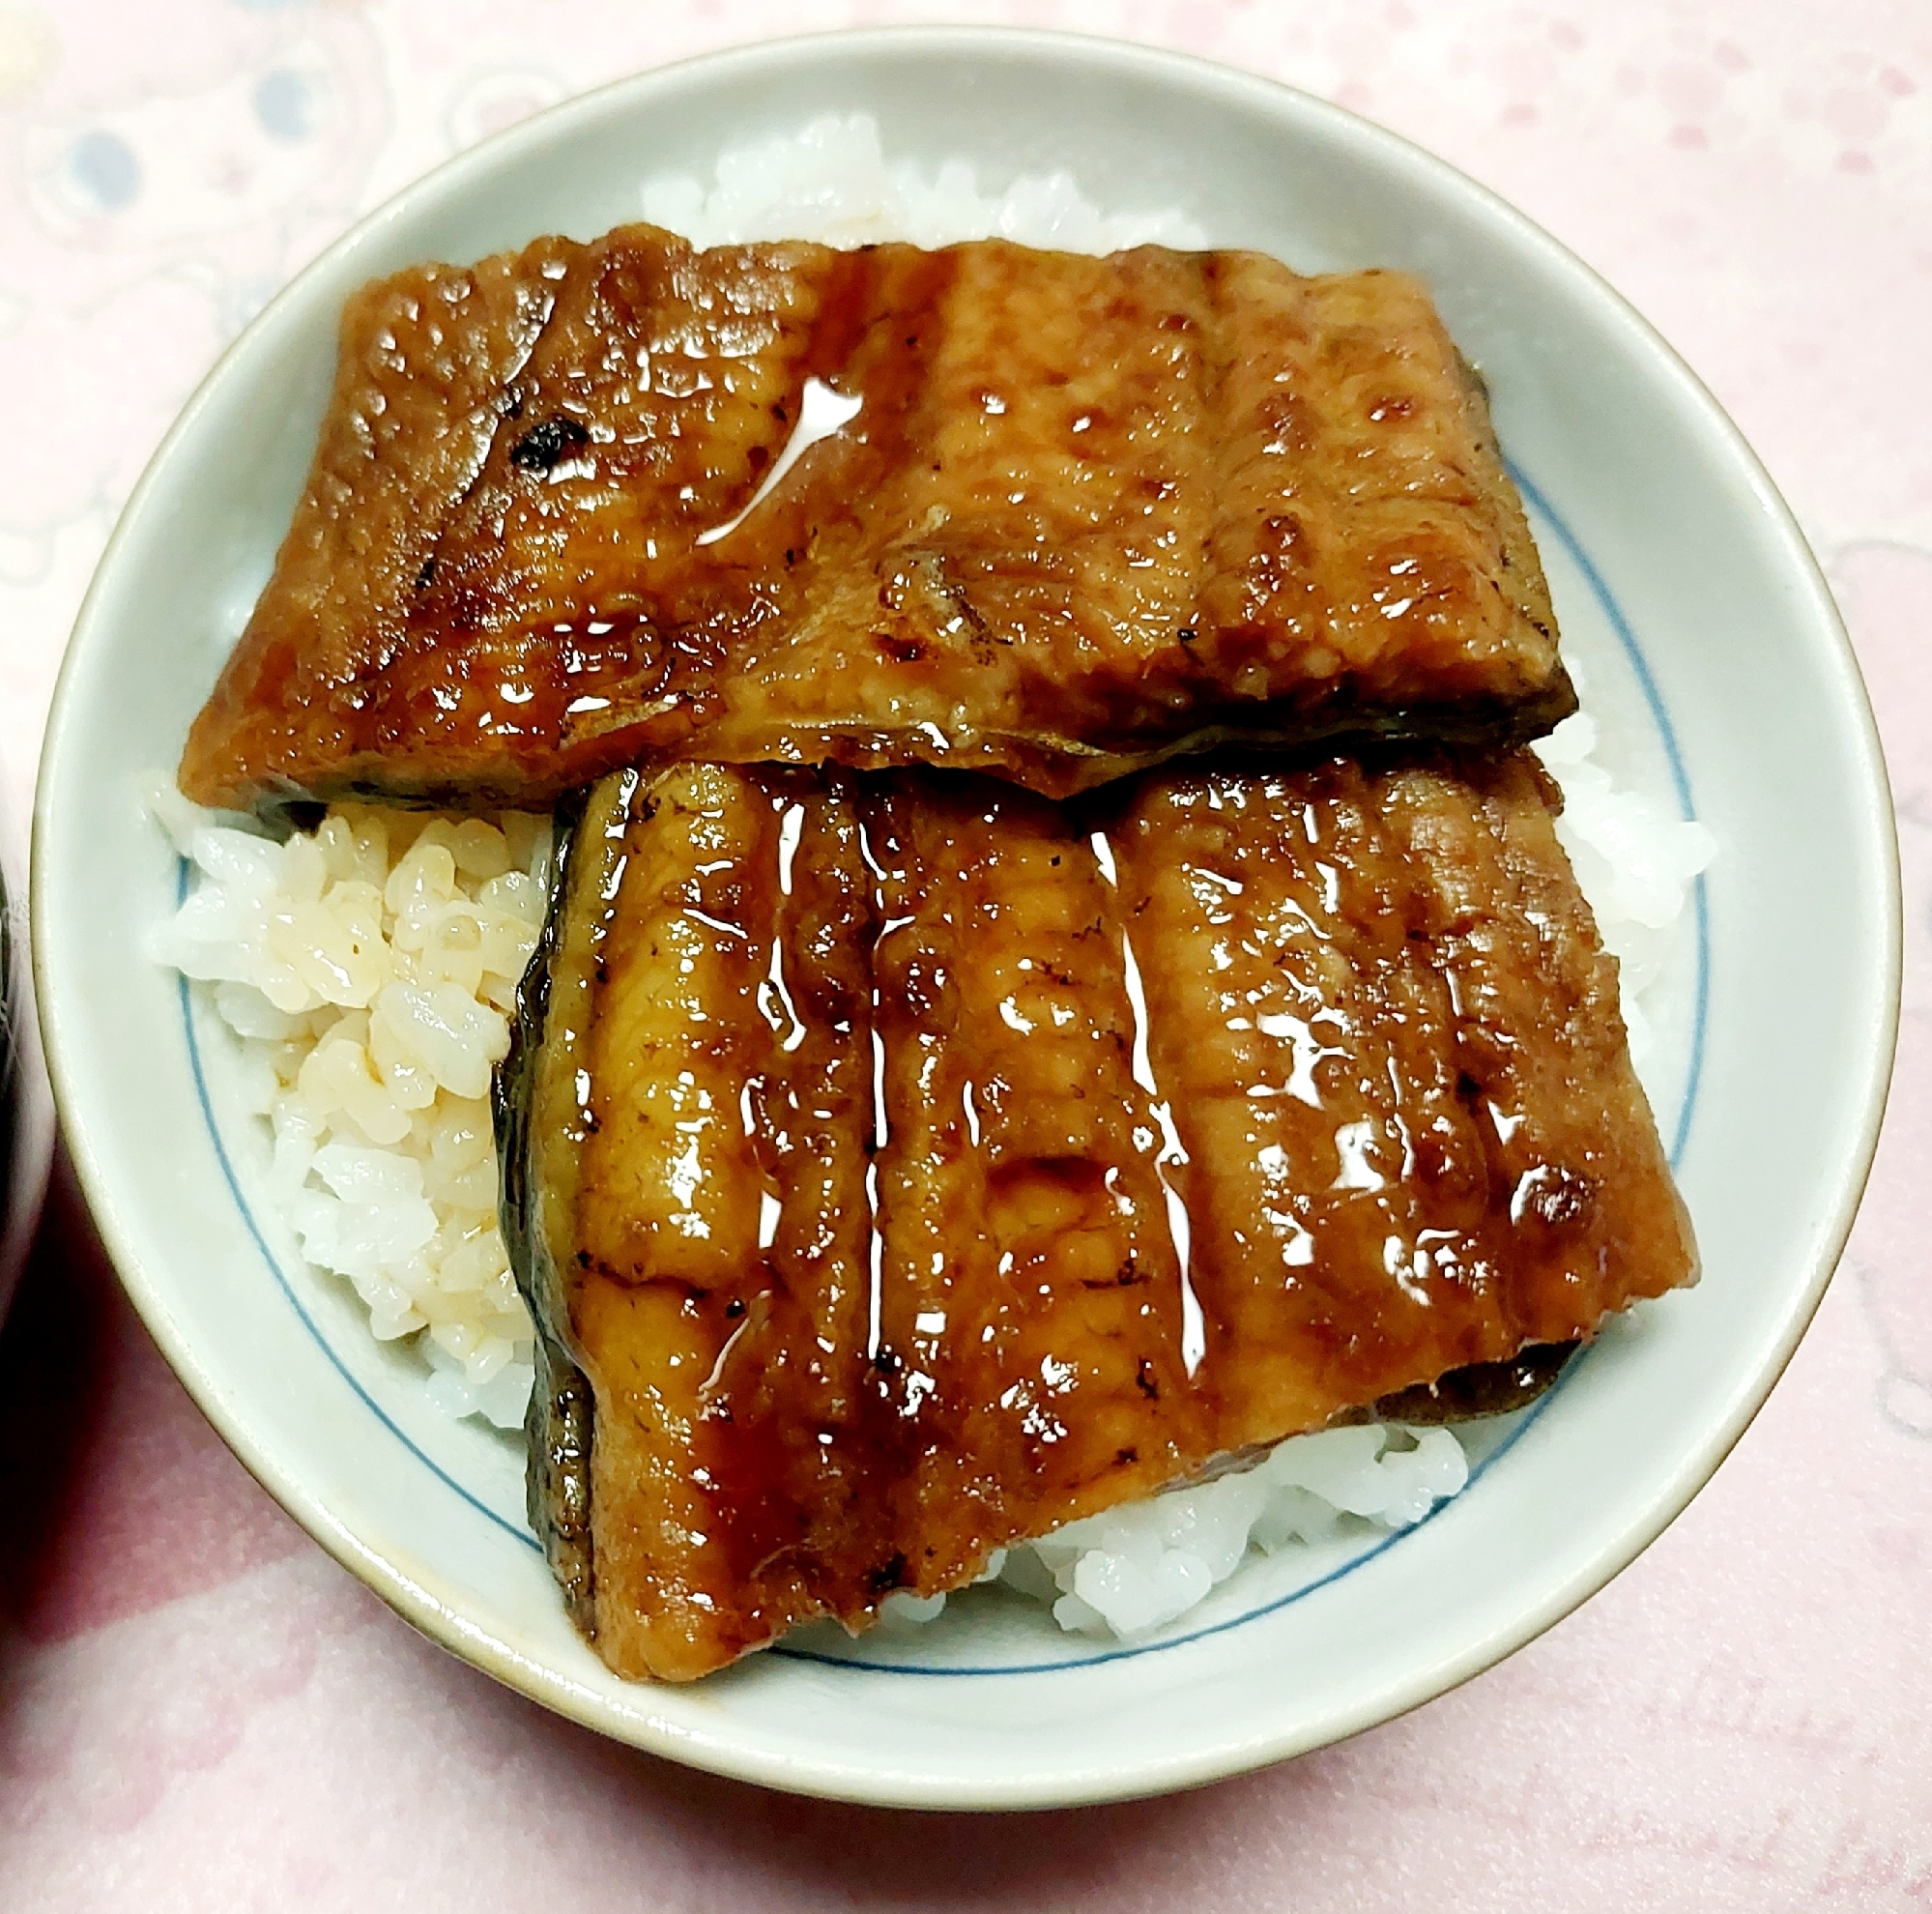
x: 1683, y: 586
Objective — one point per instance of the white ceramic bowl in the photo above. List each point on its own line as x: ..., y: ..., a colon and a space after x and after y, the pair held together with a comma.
x: 1684, y: 587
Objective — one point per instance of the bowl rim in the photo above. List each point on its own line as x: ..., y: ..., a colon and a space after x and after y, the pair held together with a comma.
x: 553, y: 1690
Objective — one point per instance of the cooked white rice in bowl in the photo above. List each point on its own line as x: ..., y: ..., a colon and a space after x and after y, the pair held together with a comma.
x: 367, y: 970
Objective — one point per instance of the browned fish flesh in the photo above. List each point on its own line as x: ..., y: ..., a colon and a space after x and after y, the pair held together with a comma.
x: 900, y: 1166
x: 1089, y: 512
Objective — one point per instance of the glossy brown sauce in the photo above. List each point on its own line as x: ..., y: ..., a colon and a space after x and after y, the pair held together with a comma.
x: 919, y: 1165
x: 1089, y: 512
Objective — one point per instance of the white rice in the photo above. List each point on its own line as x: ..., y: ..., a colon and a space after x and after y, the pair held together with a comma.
x: 832, y: 182
x: 367, y: 971
x: 1635, y: 860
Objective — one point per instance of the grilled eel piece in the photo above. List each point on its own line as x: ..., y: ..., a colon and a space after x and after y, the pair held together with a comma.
x: 1087, y: 513
x: 902, y: 1167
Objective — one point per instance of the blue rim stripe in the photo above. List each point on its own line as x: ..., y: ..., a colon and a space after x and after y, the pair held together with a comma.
x: 1680, y: 778
x: 1680, y: 781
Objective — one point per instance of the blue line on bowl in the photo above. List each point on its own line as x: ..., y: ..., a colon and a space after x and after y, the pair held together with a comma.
x: 1680, y: 778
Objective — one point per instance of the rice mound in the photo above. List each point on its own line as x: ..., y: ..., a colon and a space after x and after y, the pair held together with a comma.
x: 1633, y: 860
x: 830, y: 181
x: 368, y: 969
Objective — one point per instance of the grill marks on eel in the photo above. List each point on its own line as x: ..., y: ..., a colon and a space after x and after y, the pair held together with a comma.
x: 925, y: 1164
x: 1090, y: 512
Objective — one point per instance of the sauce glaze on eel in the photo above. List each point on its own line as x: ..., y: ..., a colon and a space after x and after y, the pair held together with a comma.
x: 1089, y: 512
x: 900, y: 1166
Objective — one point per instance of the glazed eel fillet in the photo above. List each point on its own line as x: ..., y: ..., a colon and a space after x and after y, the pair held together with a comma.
x: 594, y: 504
x: 903, y: 1166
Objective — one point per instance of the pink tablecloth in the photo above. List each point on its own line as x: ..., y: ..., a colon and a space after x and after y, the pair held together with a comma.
x: 197, y: 1710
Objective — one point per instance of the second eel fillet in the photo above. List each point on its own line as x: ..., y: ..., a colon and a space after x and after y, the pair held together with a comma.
x: 900, y: 1166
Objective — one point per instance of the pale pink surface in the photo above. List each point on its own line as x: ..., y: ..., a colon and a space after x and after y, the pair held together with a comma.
x: 198, y: 1710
